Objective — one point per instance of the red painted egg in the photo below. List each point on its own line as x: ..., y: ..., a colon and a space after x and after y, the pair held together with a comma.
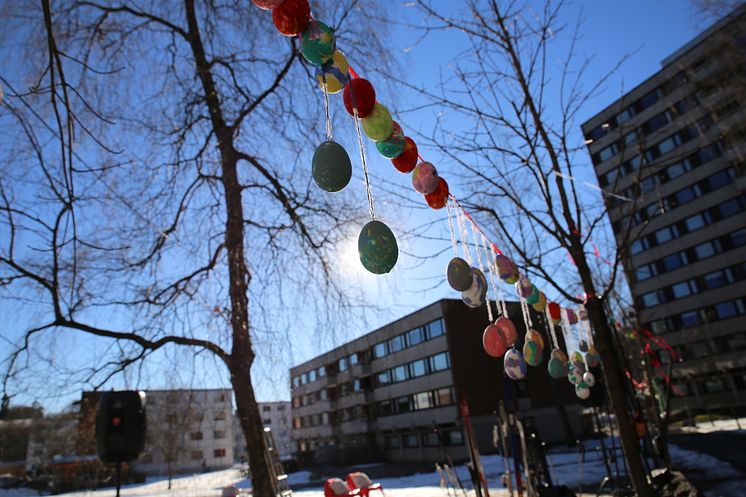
x: 291, y: 17
x: 359, y: 94
x: 407, y: 160
x: 438, y: 198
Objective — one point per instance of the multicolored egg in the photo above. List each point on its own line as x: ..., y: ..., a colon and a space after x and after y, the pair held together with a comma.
x: 507, y: 269
x: 559, y: 354
x: 377, y: 248
x: 534, y: 297
x: 393, y: 146
x: 335, y: 74
x: 574, y: 376
x: 535, y: 336
x: 523, y: 286
x: 425, y: 178
x: 592, y: 358
x: 493, y: 341
x: 267, y: 4
x: 407, y: 160
x: 532, y: 353
x: 583, y: 314
x: 378, y: 125
x: 540, y: 304
x: 582, y: 391
x: 331, y: 167
x: 576, y: 357
x: 556, y: 368
x: 508, y: 329
x: 291, y: 17
x: 514, y: 365
x: 459, y: 274
x: 476, y: 295
x: 439, y: 198
x: 572, y: 318
x: 589, y: 379
x: 359, y: 95
x: 317, y: 43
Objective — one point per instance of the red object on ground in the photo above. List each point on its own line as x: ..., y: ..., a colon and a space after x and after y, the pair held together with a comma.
x: 292, y: 17
x: 361, y: 483
x: 360, y: 94
x: 407, y: 161
x: 335, y: 487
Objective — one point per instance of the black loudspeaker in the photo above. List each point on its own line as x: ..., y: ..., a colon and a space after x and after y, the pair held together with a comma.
x: 120, y: 426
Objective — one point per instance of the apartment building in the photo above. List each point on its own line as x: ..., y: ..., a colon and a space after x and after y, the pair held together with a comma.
x: 671, y: 151
x: 394, y: 393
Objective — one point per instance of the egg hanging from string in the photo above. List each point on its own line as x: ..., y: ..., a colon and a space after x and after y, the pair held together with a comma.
x: 532, y: 353
x: 583, y: 346
x: 582, y: 391
x: 377, y: 248
x: 425, y: 178
x: 407, y: 160
x: 541, y: 303
x: 359, y: 95
x: 393, y: 146
x: 508, y: 329
x: 572, y: 318
x: 533, y: 297
x: 556, y: 368
x: 559, y: 354
x: 334, y: 74
x: 589, y: 379
x: 476, y: 295
x: 514, y: 365
x: 439, y: 198
x: 507, y: 269
x: 267, y: 4
x: 459, y: 274
x: 291, y: 17
x: 378, y: 125
x: 555, y: 312
x: 317, y: 43
x: 331, y: 167
x: 574, y: 375
x: 592, y: 357
x: 535, y: 336
x: 523, y: 286
x: 493, y: 341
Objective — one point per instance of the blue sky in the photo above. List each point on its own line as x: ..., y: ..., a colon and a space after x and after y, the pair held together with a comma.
x: 647, y: 31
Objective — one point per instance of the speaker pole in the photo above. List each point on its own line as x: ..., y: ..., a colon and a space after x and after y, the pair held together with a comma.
x: 119, y: 477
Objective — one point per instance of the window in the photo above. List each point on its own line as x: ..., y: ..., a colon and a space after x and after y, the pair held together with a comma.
x: 322, y: 371
x: 694, y: 222
x: 296, y: 423
x: 663, y: 235
x: 385, y: 408
x: 391, y: 441
x: 410, y: 441
x: 681, y: 290
x: 343, y: 364
x: 638, y: 246
x: 379, y: 350
x: 738, y: 238
x: 414, y: 337
x: 672, y: 262
x: 352, y: 360
x: 403, y: 404
x: 218, y: 453
x: 396, y: 343
x: 716, y: 279
x: 430, y: 439
x: 281, y: 407
x: 444, y: 396
x: 220, y: 416
x: 266, y: 408
x: 399, y: 373
x: 690, y: 318
x: 644, y: 272
x: 296, y: 381
x: 729, y: 208
x: 649, y: 299
x: 304, y: 378
x: 725, y: 310
x: 435, y: 329
x: 705, y: 250
x: 218, y: 434
x: 454, y: 437
x: 325, y: 418
x: 312, y: 375
x: 713, y: 385
x: 439, y: 362
x: 718, y: 180
x: 195, y: 435
x: 422, y: 400
x: 418, y: 368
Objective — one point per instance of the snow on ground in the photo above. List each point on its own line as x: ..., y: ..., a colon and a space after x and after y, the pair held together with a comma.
x: 568, y: 468
x: 719, y: 425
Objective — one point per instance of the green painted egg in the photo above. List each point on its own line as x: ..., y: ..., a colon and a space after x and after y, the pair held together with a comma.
x: 540, y: 304
x: 378, y: 125
x: 317, y: 43
x: 331, y: 167
x: 377, y: 248
x: 393, y: 146
x: 459, y: 274
x: 534, y: 296
x: 556, y: 368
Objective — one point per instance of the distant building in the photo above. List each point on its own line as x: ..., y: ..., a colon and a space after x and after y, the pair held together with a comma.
x: 393, y: 393
x: 275, y: 415
x: 188, y: 430
x: 672, y: 152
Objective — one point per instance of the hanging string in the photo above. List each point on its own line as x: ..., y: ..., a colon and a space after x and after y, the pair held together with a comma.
x: 526, y: 315
x: 566, y: 328
x: 586, y: 324
x: 491, y: 269
x: 329, y: 135
x: 500, y: 300
x: 464, y: 236
x: 481, y: 268
x: 454, y: 243
x: 550, y: 329
x: 361, y: 146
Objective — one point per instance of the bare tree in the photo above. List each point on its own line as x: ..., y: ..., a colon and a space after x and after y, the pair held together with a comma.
x: 519, y: 163
x: 155, y: 191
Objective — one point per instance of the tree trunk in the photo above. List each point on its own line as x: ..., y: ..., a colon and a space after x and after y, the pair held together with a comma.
x: 615, y: 381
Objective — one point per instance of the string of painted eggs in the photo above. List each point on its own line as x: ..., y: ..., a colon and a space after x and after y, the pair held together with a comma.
x: 331, y: 167
x: 499, y: 338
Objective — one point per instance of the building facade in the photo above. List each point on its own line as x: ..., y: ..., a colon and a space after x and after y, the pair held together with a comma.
x: 394, y: 393
x: 671, y: 151
x: 276, y: 416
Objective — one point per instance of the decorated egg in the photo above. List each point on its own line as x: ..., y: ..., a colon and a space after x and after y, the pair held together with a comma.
x: 493, y: 341
x: 559, y: 354
x: 331, y: 167
x: 583, y: 314
x: 459, y: 274
x: 589, y: 379
x: 506, y: 269
x: 438, y: 198
x: 574, y: 376
x: 514, y: 365
x: 541, y: 303
x: 334, y: 74
x: 583, y: 346
x: 317, y: 42
x: 582, y: 391
x: 407, y: 160
x: 378, y: 124
x: 508, y: 329
x: 476, y: 295
x: 425, y: 178
x: 392, y: 146
x: 267, y: 4
x: 534, y: 297
x: 291, y: 17
x: 535, y: 336
x: 523, y: 286
x: 556, y: 368
x: 554, y: 312
x: 377, y: 248
x: 532, y: 353
x: 576, y: 357
x: 571, y: 316
x: 359, y: 94
x: 580, y: 366
x: 592, y: 358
